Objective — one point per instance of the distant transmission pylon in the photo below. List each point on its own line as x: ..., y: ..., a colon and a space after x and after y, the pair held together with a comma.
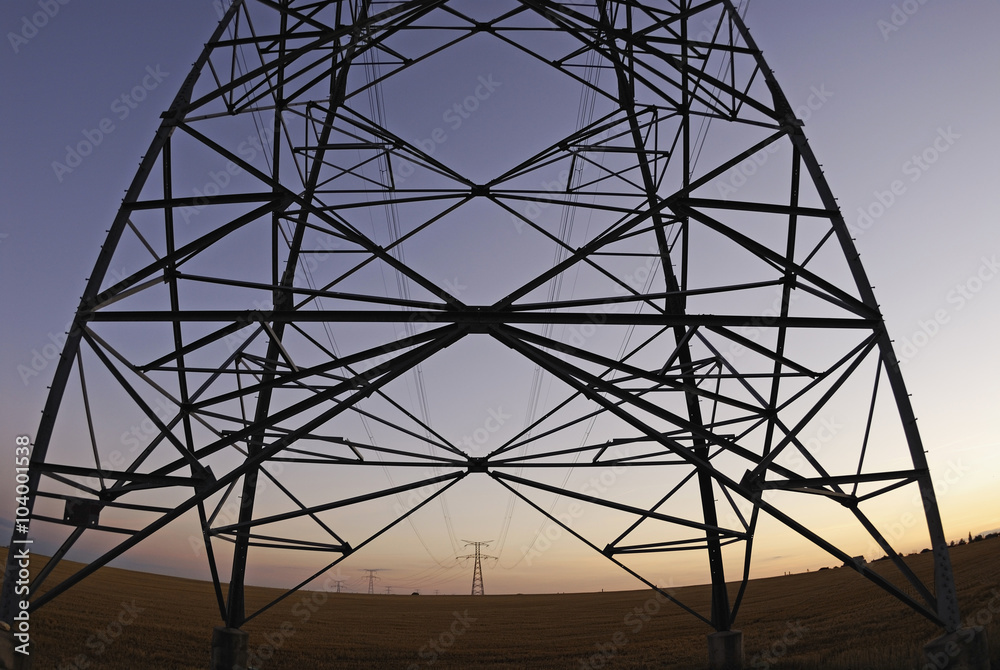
x: 371, y: 580
x: 477, y: 571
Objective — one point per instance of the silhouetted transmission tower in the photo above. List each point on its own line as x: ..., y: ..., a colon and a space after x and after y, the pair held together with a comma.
x: 477, y: 570
x: 293, y: 236
x: 371, y: 581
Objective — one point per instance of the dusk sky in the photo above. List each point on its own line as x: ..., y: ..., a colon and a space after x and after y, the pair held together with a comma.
x: 899, y: 102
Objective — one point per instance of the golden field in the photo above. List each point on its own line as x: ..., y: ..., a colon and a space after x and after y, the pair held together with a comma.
x: 125, y: 620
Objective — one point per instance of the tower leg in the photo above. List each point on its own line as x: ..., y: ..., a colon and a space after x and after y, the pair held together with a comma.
x: 229, y: 648
x: 725, y: 650
x: 965, y: 649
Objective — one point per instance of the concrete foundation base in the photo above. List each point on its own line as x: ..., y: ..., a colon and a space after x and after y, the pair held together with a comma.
x: 229, y: 648
x: 10, y: 658
x: 725, y: 650
x: 965, y: 649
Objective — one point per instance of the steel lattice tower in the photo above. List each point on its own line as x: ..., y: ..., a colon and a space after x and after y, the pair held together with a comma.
x: 477, y: 571
x: 275, y: 318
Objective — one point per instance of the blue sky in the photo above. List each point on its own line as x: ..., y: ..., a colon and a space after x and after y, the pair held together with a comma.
x: 899, y: 107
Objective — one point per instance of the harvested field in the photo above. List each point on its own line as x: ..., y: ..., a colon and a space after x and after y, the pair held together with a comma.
x: 120, y: 619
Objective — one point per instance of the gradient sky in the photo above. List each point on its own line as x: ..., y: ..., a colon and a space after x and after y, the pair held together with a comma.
x: 874, y: 90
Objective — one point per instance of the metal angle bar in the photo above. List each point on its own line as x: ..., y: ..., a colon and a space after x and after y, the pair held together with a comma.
x: 105, y: 503
x: 101, y: 527
x: 908, y: 475
x: 142, y: 239
x: 477, y: 315
x: 883, y: 490
x: 745, y: 579
x: 868, y: 424
x: 293, y: 543
x: 72, y: 484
x: 612, y: 300
x: 335, y: 461
x: 666, y: 547
x: 200, y: 201
x: 213, y: 566
x: 356, y: 446
x: 624, y: 63
x: 724, y: 167
x: 129, y: 292
x: 576, y: 255
x: 630, y: 461
x: 546, y: 7
x: 90, y: 418
x: 279, y: 545
x: 894, y: 557
x: 153, y: 480
x: 418, y: 436
x: 762, y: 207
x: 56, y: 558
